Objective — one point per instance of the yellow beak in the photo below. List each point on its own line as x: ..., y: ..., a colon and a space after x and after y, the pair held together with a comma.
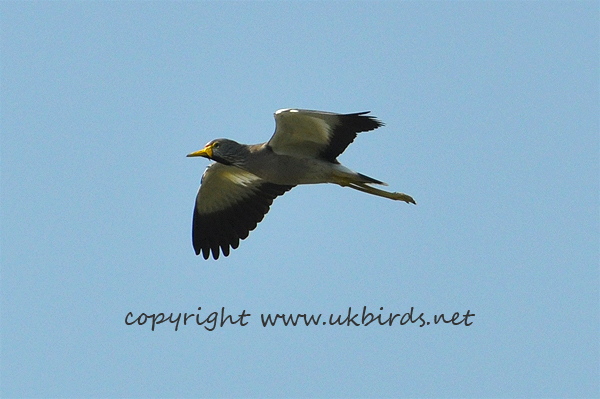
x: 206, y: 152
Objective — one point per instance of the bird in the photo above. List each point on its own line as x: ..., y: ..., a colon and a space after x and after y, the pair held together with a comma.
x: 238, y: 188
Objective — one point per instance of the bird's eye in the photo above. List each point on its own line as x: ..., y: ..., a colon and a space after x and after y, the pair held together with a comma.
x: 216, y: 145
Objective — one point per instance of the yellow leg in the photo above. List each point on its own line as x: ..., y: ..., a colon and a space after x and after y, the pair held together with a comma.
x: 381, y: 193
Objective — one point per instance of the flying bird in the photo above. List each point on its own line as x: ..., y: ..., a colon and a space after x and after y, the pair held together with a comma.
x: 237, y: 189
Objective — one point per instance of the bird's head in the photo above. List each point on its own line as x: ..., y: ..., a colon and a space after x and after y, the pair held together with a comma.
x: 224, y: 151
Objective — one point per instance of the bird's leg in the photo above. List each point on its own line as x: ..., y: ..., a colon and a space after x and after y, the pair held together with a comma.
x: 381, y: 193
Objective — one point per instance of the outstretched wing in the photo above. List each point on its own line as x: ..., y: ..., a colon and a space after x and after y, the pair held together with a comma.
x: 317, y: 134
x: 230, y: 203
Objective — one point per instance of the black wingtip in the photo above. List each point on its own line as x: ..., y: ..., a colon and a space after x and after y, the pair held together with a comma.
x: 367, y: 122
x: 217, y: 233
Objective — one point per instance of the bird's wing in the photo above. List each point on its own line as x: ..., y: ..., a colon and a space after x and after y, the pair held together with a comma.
x: 317, y: 134
x: 230, y: 203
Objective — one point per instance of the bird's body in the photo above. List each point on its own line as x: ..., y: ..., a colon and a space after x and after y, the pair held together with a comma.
x: 238, y: 189
x: 288, y: 169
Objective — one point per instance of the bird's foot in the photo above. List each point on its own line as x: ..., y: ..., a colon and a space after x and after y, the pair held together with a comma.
x: 403, y: 197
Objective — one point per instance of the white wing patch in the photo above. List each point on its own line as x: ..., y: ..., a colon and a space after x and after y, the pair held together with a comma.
x: 239, y: 176
x: 301, y: 132
x: 223, y: 186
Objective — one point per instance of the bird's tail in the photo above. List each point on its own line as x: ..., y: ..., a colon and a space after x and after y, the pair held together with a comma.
x: 370, y: 180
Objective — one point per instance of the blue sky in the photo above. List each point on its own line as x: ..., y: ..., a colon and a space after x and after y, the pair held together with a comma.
x: 491, y: 113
